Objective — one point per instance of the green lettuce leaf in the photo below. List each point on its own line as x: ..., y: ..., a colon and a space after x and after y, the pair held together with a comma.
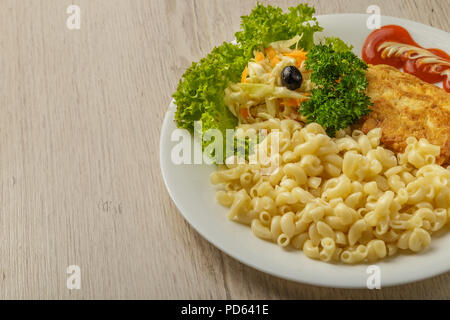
x: 269, y: 24
x: 201, y: 90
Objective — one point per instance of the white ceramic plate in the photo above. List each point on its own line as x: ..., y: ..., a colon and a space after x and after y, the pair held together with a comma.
x: 190, y: 189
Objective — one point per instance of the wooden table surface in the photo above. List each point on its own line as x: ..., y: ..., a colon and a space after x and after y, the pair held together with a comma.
x: 81, y: 113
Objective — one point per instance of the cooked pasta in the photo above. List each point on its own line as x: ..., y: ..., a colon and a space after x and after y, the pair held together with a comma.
x: 342, y: 199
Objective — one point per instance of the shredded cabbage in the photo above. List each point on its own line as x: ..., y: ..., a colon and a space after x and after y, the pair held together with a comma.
x: 261, y: 91
x: 284, y: 45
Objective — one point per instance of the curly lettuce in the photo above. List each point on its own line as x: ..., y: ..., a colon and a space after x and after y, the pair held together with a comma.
x: 200, y: 93
x: 269, y: 24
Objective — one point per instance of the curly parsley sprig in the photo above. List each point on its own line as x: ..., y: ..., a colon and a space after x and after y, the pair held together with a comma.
x: 339, y: 98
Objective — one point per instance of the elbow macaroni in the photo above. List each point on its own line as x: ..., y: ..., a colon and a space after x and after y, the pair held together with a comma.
x: 342, y: 199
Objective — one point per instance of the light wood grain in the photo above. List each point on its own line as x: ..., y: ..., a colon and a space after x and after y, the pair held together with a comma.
x: 80, y: 120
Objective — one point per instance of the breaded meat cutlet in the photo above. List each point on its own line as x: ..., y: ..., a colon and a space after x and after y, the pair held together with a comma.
x: 406, y: 106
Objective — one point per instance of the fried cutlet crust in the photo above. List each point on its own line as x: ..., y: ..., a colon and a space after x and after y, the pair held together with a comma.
x: 406, y: 106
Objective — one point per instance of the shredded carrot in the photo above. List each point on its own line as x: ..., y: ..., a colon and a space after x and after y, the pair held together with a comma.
x: 244, y: 75
x: 259, y: 56
x: 270, y: 52
x: 299, y: 56
x: 244, y: 112
x: 289, y: 102
x: 292, y: 102
x: 272, y: 55
x: 275, y: 61
x: 297, y: 53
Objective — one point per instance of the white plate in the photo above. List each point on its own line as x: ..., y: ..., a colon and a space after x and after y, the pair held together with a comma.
x: 190, y: 189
